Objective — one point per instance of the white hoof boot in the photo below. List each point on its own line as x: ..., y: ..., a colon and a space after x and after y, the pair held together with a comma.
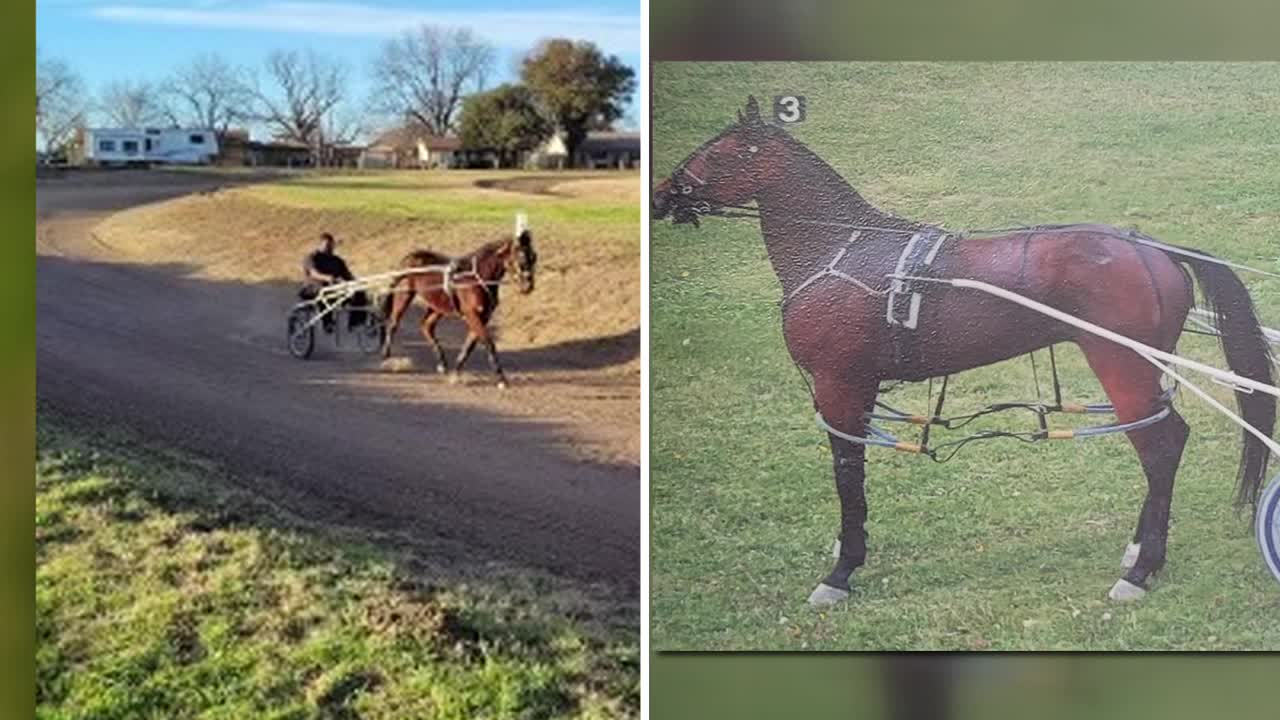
x: 835, y: 550
x: 1125, y: 591
x: 1130, y: 556
x: 825, y: 596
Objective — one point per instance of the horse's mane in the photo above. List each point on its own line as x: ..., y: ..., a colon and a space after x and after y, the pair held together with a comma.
x: 861, y: 208
x: 431, y: 257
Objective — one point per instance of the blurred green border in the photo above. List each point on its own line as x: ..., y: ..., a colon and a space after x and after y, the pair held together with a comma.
x: 695, y: 685
x: 963, y: 30
x: 18, y: 362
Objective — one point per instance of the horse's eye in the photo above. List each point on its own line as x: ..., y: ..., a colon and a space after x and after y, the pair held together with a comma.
x: 686, y: 189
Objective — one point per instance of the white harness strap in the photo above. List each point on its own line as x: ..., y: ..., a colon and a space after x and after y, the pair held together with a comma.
x: 899, y: 286
x: 830, y: 270
x: 693, y: 177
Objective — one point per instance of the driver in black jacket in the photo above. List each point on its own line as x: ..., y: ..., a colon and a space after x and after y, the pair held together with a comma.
x: 322, y: 267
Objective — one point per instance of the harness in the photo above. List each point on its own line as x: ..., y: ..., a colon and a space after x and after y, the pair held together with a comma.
x: 904, y: 296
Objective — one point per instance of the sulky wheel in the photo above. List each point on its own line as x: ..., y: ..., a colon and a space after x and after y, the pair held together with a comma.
x: 370, y: 333
x: 301, y: 333
x: 1269, y: 526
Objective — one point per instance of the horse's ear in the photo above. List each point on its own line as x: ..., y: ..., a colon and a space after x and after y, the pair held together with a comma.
x: 753, y: 109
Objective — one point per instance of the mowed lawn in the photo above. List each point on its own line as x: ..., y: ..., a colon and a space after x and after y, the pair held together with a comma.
x: 165, y: 591
x: 1008, y: 546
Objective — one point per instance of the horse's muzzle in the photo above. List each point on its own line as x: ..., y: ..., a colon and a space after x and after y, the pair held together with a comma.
x: 662, y: 202
x: 668, y: 202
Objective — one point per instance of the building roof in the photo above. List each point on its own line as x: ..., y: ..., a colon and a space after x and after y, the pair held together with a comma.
x: 407, y: 138
x: 437, y: 142
x: 610, y: 140
x: 279, y: 145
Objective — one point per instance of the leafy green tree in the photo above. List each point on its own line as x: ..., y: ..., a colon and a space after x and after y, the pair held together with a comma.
x: 577, y: 87
x: 505, y: 119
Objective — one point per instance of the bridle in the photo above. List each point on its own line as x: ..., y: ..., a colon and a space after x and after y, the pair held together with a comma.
x: 520, y: 261
x: 683, y: 184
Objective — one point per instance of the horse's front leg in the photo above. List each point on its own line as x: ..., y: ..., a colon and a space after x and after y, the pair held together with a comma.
x: 467, y: 346
x: 429, y: 322
x: 842, y: 405
x: 477, y: 326
x: 494, y: 364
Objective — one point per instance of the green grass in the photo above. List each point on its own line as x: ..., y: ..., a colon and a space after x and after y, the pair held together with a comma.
x: 1114, y: 686
x: 441, y: 197
x: 162, y: 591
x: 1008, y: 546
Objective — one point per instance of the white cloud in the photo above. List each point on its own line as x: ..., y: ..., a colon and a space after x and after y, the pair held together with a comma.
x: 506, y: 28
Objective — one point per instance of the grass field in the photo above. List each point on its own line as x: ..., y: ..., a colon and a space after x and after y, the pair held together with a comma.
x: 164, y: 591
x: 994, y: 687
x: 1006, y: 547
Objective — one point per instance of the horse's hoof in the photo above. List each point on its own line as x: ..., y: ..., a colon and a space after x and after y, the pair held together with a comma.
x: 1125, y: 591
x: 835, y: 550
x: 825, y: 596
x: 502, y: 384
x: 454, y: 378
x: 441, y: 369
x: 1130, y: 556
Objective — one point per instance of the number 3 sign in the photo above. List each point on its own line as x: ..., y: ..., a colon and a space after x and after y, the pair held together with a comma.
x: 789, y: 108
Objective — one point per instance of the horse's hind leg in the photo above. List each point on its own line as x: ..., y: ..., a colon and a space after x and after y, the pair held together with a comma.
x: 429, y: 322
x: 842, y: 404
x: 1133, y: 386
x: 400, y: 300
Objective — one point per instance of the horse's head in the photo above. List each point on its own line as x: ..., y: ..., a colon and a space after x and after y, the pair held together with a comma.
x: 521, y: 260
x: 728, y: 170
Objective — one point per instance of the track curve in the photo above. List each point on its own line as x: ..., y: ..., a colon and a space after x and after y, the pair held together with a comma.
x: 475, y: 475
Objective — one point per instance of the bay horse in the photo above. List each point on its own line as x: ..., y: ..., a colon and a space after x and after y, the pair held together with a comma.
x: 850, y: 322
x: 465, y: 286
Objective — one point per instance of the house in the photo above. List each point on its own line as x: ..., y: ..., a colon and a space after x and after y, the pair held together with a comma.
x: 145, y: 146
x: 346, y: 156
x: 278, y: 153
x: 551, y: 154
x: 410, y: 147
x: 233, y: 148
x: 608, y: 149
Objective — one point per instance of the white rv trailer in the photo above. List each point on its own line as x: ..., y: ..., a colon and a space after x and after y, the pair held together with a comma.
x: 175, y: 146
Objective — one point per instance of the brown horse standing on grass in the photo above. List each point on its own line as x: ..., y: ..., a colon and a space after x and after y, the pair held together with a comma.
x: 850, y: 325
x: 465, y: 286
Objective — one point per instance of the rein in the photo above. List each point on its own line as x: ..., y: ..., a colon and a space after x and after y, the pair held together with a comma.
x: 751, y: 212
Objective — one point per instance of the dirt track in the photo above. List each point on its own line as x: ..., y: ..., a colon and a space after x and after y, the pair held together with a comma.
x: 544, y: 475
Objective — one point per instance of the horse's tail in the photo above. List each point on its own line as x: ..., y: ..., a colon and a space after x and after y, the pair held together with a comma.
x: 1248, y: 355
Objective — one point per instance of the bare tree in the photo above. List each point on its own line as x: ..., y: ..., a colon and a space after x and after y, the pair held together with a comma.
x: 424, y: 74
x: 208, y: 92
x: 61, y: 104
x: 339, y: 127
x: 131, y: 104
x: 306, y: 91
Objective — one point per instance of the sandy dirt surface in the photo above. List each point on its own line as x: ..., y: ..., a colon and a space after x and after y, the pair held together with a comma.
x: 179, y: 343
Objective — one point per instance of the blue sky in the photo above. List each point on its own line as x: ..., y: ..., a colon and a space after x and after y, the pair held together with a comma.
x: 105, y: 40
